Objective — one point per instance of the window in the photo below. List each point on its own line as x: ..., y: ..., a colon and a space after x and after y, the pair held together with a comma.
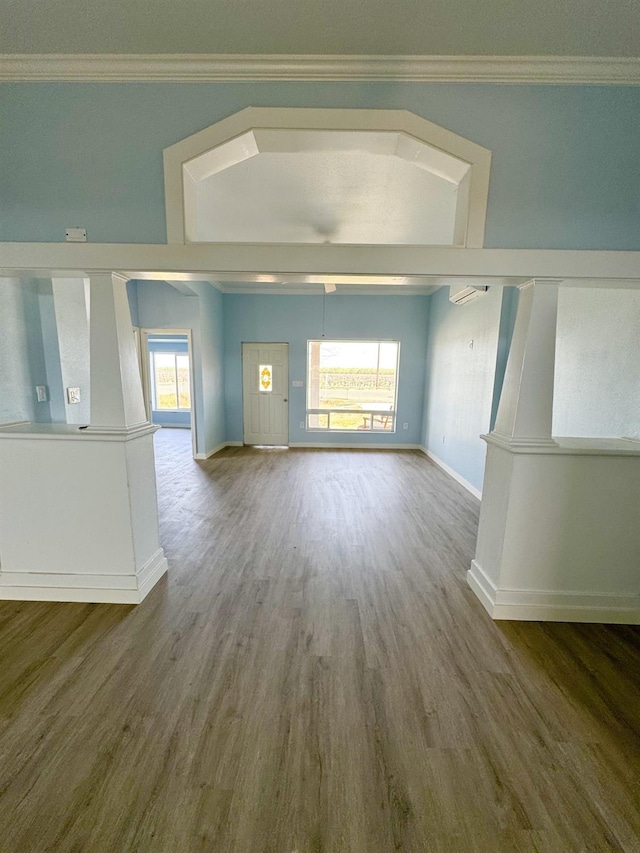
x: 352, y: 385
x: 170, y: 381
x: 265, y: 377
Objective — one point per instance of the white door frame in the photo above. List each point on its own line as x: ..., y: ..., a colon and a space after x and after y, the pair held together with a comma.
x: 146, y: 375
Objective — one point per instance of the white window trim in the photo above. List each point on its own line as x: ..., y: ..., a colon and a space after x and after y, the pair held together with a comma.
x: 392, y: 412
x: 154, y: 395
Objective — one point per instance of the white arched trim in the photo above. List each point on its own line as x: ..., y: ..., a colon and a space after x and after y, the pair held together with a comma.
x: 256, y: 129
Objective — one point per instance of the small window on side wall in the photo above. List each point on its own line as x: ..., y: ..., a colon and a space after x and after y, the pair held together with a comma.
x: 170, y: 381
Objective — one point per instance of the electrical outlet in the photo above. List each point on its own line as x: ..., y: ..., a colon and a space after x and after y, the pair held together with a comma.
x: 405, y: 426
x: 41, y: 393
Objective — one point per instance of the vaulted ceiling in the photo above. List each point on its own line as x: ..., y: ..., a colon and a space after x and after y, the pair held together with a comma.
x: 325, y: 196
x: 306, y: 186
x: 357, y: 27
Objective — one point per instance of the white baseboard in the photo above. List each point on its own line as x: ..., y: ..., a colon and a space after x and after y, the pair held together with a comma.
x: 483, y: 587
x: 352, y: 445
x: 93, y: 588
x: 151, y: 572
x: 210, y: 453
x: 321, y: 445
x: 552, y: 605
x: 454, y: 474
x: 172, y: 426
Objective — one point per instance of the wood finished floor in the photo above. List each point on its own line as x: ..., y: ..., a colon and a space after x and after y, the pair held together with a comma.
x: 314, y: 675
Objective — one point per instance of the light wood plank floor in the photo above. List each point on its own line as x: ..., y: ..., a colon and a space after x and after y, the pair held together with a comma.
x: 313, y: 676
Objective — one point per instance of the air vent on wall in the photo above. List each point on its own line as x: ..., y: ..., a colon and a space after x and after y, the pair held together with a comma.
x: 459, y: 294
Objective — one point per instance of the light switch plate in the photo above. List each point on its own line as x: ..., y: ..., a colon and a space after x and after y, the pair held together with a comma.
x: 297, y: 383
x: 41, y: 393
x: 75, y: 235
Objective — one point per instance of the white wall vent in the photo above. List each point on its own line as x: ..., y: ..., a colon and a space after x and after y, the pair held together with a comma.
x: 459, y: 294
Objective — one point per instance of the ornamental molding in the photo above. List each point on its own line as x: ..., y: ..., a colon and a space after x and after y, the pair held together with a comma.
x: 568, y: 70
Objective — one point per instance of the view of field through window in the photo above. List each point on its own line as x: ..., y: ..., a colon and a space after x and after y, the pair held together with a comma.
x: 352, y: 385
x: 171, y: 385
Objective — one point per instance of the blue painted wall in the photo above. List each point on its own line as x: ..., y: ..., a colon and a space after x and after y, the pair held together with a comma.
x: 40, y: 348
x: 17, y: 394
x: 212, y: 358
x: 461, y: 377
x: 29, y: 353
x: 132, y: 296
x: 565, y: 173
x: 171, y: 419
x: 296, y: 319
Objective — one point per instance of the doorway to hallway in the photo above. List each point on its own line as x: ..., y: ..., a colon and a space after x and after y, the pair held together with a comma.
x: 168, y: 379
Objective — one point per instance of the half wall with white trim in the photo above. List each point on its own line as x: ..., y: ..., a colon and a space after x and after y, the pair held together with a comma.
x: 558, y: 538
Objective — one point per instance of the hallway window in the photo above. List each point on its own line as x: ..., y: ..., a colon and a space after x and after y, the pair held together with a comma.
x: 170, y: 381
x: 352, y: 385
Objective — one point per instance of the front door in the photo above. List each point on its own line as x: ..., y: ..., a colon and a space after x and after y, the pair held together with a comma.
x: 265, y: 381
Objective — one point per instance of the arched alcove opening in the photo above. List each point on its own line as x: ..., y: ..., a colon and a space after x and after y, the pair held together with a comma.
x: 368, y: 177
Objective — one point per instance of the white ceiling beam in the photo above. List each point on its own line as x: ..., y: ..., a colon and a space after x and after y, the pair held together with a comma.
x: 250, y: 261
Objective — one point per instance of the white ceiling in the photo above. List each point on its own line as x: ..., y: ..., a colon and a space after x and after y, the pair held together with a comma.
x: 314, y: 285
x: 411, y: 27
x: 279, y: 185
x: 326, y: 196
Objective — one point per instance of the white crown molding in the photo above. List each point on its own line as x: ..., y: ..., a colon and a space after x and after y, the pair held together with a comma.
x: 575, y: 70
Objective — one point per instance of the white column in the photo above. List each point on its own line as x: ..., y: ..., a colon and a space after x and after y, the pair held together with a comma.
x: 116, y: 389
x: 525, y: 412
